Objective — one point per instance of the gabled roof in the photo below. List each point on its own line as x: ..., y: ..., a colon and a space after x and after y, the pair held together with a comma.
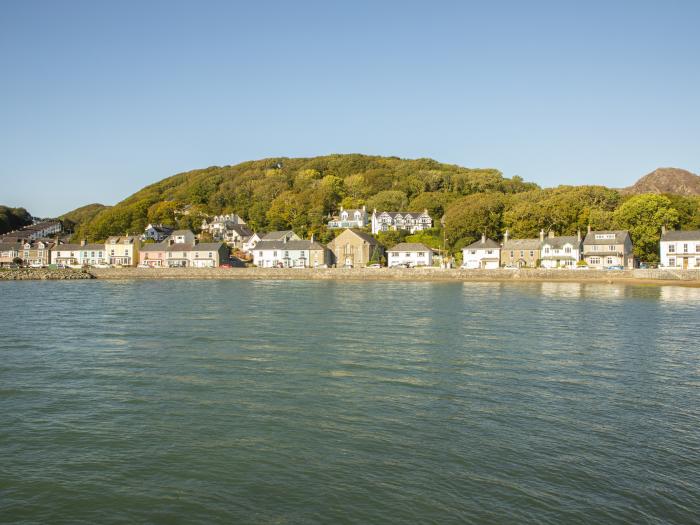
x: 78, y: 247
x: 289, y: 245
x: 362, y: 235
x: 241, y: 229
x: 412, y: 214
x: 522, y: 244
x: 681, y: 235
x: 620, y: 236
x: 277, y: 235
x: 482, y: 244
x: 410, y: 247
x: 560, y: 242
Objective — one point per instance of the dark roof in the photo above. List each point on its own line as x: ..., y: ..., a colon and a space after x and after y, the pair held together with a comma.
x: 241, y: 229
x: 410, y: 247
x: 413, y: 214
x: 182, y: 247
x: 522, y: 244
x: 483, y: 244
x: 10, y: 246
x: 275, y: 236
x: 78, y: 247
x: 289, y: 245
x: 681, y: 235
x: 362, y: 235
x: 559, y: 242
x: 620, y: 236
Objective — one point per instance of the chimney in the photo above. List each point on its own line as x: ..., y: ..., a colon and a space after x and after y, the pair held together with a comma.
x: 663, y: 229
x: 312, y: 237
x: 83, y: 242
x: 551, y: 234
x: 578, y: 236
x: 284, y: 239
x: 541, y: 235
x: 171, y: 242
x: 589, y: 228
x: 341, y: 207
x: 505, y: 236
x: 425, y: 210
x: 364, y: 208
x: 483, y: 238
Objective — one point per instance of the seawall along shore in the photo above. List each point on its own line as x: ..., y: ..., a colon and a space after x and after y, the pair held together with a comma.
x: 656, y: 276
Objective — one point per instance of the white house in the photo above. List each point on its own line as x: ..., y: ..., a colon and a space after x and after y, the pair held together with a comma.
x: 680, y: 249
x: 484, y: 254
x: 290, y: 254
x: 560, y: 252
x: 250, y: 243
x: 400, y: 220
x: 82, y: 254
x: 410, y: 254
x: 352, y: 218
x: 156, y: 232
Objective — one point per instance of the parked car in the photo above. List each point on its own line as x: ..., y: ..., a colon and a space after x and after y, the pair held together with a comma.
x: 375, y: 265
x: 225, y: 265
x: 615, y: 267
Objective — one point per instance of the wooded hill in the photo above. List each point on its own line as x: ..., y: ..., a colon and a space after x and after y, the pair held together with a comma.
x: 13, y: 218
x: 301, y: 193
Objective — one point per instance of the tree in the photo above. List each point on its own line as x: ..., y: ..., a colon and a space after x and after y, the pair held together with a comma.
x: 468, y: 218
x: 644, y: 215
x: 433, y: 201
x: 388, y: 200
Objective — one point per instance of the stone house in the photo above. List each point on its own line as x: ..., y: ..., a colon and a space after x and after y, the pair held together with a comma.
x: 36, y: 253
x: 520, y: 253
x: 602, y: 249
x: 355, y: 249
x: 8, y: 252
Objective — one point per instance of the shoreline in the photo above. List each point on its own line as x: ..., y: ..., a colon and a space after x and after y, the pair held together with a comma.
x: 656, y: 277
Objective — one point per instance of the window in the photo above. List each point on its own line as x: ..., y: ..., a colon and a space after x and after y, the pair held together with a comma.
x: 532, y: 253
x: 567, y: 249
x: 546, y: 249
x: 512, y: 254
x: 697, y: 248
x: 111, y: 252
x: 489, y: 252
x: 210, y: 255
x: 286, y: 254
x: 685, y: 248
x: 196, y: 255
x: 611, y: 248
x: 473, y: 252
x: 92, y: 254
x: 609, y: 261
x: 595, y: 247
x: 421, y: 254
x: 522, y: 253
x: 260, y: 254
x: 395, y: 254
x: 672, y: 262
x: 671, y: 248
x: 594, y: 260
x: 274, y: 254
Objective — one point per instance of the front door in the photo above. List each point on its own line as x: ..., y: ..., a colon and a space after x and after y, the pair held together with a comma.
x: 685, y: 263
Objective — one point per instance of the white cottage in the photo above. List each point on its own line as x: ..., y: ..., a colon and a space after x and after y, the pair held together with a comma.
x: 351, y: 218
x: 484, y: 254
x: 410, y: 254
x: 401, y: 220
x: 290, y: 254
x: 680, y: 249
x: 560, y: 252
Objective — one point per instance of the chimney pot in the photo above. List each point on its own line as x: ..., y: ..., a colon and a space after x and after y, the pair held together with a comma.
x: 483, y: 238
x: 541, y: 235
x: 663, y: 229
x: 551, y: 234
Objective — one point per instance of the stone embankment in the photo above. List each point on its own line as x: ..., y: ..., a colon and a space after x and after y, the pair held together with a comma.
x: 691, y: 277
x: 34, y: 274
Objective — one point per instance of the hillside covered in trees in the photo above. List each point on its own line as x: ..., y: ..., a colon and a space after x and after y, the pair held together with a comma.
x: 13, y: 218
x: 301, y: 194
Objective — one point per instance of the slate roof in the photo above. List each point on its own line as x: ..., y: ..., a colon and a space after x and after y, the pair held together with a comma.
x: 410, y: 247
x: 289, y: 245
x: 276, y: 236
x: 78, y: 247
x: 241, y: 229
x: 620, y: 236
x: 522, y: 244
x: 362, y: 235
x: 479, y: 245
x: 559, y: 242
x: 392, y: 214
x: 182, y: 247
x: 681, y: 235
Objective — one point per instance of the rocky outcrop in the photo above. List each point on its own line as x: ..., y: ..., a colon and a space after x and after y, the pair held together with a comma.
x: 667, y: 180
x: 33, y: 274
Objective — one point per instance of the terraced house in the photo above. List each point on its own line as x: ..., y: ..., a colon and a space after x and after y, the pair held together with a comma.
x: 401, y: 220
x: 602, y: 249
x: 520, y: 253
x: 123, y: 251
x: 290, y: 254
x: 183, y: 250
x: 82, y: 254
x: 680, y: 249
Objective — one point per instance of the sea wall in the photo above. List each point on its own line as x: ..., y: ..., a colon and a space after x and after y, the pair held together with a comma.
x: 34, y: 274
x: 399, y: 274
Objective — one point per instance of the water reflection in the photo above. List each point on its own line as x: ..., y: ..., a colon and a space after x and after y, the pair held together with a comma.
x: 680, y: 294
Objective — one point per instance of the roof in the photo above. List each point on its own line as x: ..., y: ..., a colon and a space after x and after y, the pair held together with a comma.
x: 160, y: 228
x: 362, y: 235
x: 241, y: 229
x: 6, y: 246
x: 482, y: 245
x: 414, y: 214
x: 620, y: 236
x: 410, y: 247
x: 289, y: 245
x: 78, y: 247
x: 559, y: 242
x: 681, y: 235
x: 182, y: 247
x: 182, y: 232
x: 522, y: 244
x: 275, y: 236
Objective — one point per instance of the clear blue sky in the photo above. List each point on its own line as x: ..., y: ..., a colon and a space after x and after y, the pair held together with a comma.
x: 98, y: 99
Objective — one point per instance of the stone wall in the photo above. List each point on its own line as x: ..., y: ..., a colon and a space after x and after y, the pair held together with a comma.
x: 407, y: 274
x: 26, y: 274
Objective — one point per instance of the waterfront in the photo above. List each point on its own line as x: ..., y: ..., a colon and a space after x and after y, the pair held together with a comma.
x: 310, y: 401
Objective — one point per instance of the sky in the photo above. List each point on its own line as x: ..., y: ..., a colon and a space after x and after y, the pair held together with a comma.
x: 98, y: 99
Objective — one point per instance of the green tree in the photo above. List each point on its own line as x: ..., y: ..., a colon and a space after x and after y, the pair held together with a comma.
x: 388, y: 200
x: 644, y: 215
x: 468, y: 218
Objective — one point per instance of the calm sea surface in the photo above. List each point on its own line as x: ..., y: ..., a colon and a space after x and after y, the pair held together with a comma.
x: 324, y: 402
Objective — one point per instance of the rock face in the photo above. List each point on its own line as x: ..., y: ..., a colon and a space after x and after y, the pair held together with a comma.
x: 33, y: 274
x: 667, y: 180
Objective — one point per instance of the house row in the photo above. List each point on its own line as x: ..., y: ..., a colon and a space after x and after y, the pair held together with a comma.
x: 39, y: 230
x: 599, y: 249
x: 381, y: 221
x: 183, y: 250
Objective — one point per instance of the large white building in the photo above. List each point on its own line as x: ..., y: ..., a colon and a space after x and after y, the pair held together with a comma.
x: 290, y: 254
x: 410, y: 254
x: 680, y: 249
x: 82, y: 254
x: 484, y: 254
x: 400, y: 220
x: 353, y: 218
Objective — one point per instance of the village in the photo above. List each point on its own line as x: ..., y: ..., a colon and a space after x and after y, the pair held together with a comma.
x: 226, y: 241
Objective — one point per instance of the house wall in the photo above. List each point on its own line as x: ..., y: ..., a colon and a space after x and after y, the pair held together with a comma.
x: 622, y: 255
x: 685, y: 254
x: 514, y: 257
x: 289, y: 258
x: 413, y: 258
x: 476, y: 258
